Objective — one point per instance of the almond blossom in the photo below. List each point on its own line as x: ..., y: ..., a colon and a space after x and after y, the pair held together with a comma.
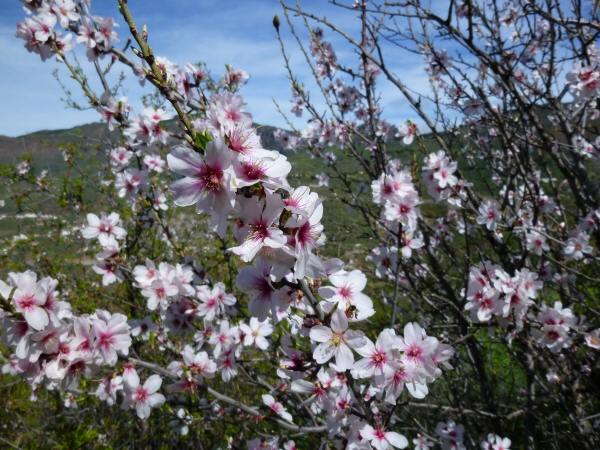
x: 256, y: 280
x: 143, y: 397
x: 276, y: 407
x: 207, y: 183
x: 256, y: 332
x: 28, y: 298
x: 451, y: 435
x: 336, y: 341
x: 381, y: 439
x: 346, y: 293
x: 111, y: 332
x: 418, y: 348
x: 377, y: 357
x: 407, y: 132
x: 105, y: 228
x: 489, y: 215
x: 198, y: 363
x: 495, y: 442
x: 260, y: 229
x: 108, y: 388
x: 213, y: 301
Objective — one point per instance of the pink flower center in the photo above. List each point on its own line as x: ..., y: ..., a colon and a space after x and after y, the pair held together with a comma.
x: 26, y: 302
x: 276, y: 408
x: 63, y: 348
x: 211, y: 178
x: 77, y: 368
x: 379, y: 358
x: 414, y: 352
x: 399, y: 375
x: 303, y: 235
x: 141, y: 394
x: 228, y: 363
x: 252, y: 171
x: 264, y: 288
x: 553, y: 335
x: 85, y: 346
x: 233, y: 115
x: 105, y: 340
x: 379, y: 434
x: 291, y: 202
x: 259, y: 231
x: 104, y: 228
x: 345, y: 292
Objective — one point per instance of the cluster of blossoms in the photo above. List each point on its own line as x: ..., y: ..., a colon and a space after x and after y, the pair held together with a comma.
x: 216, y: 349
x: 134, y: 395
x: 495, y: 442
x: 555, y: 325
x: 389, y: 365
x: 322, y: 132
x: 394, y: 362
x: 278, y: 229
x: 408, y: 131
x: 577, y: 246
x: 439, y: 173
x: 395, y: 191
x: 584, y: 79
x: 38, y: 30
x: 146, y: 128
x: 221, y: 183
x: 326, y: 59
x: 52, y: 346
x: 492, y: 292
x: 108, y: 231
x: 165, y: 284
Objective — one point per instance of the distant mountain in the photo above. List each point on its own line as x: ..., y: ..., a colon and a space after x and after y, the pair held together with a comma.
x: 38, y: 144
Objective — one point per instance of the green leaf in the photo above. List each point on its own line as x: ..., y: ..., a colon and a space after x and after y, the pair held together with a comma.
x: 201, y: 139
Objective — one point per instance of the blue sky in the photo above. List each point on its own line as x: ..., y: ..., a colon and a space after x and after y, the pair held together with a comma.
x: 217, y: 32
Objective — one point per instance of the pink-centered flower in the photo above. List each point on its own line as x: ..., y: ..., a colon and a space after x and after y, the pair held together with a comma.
x: 207, y: 183
x: 28, y: 298
x: 144, y: 397
x: 347, y: 294
x: 256, y: 281
x: 106, y: 228
x: 111, y: 332
x: 336, y: 341
x: 377, y: 357
x: 261, y: 227
x: 418, y: 348
x: 381, y: 439
x: 256, y: 332
x: 276, y: 407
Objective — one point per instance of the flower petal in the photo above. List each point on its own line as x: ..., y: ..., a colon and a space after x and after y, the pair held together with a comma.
x: 320, y: 333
